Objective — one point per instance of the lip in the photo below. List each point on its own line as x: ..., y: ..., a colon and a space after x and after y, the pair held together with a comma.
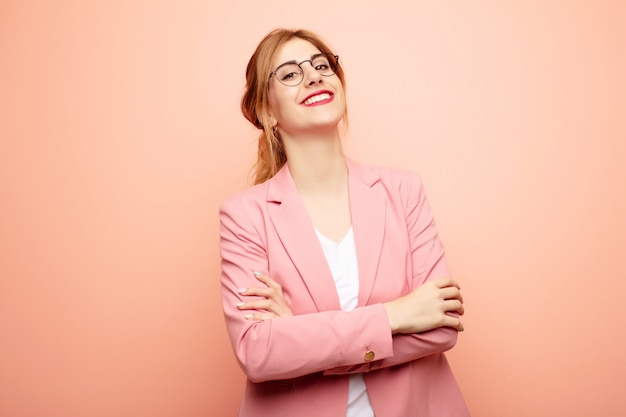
x: 316, y: 93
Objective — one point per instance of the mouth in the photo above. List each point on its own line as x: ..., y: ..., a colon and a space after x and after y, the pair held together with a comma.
x: 318, y: 98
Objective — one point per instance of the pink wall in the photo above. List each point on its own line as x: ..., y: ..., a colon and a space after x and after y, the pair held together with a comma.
x: 120, y: 134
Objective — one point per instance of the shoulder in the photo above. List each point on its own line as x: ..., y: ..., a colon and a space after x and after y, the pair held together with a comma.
x: 394, y: 180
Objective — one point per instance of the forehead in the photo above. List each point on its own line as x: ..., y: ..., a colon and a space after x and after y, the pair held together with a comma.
x: 295, y: 49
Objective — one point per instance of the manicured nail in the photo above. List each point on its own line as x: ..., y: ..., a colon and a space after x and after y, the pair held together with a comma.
x: 240, y: 290
x: 239, y: 304
x: 257, y: 273
x: 248, y: 316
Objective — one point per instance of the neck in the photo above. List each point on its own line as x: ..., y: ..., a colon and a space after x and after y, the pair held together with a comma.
x: 317, y: 163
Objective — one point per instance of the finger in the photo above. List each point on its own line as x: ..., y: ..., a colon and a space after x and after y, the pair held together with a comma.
x: 262, y: 304
x: 454, y: 323
x: 260, y: 316
x: 445, y: 282
x: 270, y: 282
x: 259, y: 275
x: 451, y: 293
x: 454, y: 306
x: 258, y: 291
x: 460, y: 327
x: 265, y: 279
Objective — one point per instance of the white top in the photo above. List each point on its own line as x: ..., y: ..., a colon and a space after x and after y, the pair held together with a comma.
x: 342, y: 260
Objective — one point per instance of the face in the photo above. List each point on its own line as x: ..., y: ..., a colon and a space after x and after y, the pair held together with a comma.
x: 316, y: 104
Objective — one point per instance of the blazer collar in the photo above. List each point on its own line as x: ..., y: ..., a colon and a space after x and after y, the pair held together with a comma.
x: 281, y: 185
x: 297, y: 234
x: 368, y: 205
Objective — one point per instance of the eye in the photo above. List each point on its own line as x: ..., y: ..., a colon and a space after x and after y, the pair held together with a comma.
x: 288, y: 72
x: 321, y: 63
x: 289, y: 76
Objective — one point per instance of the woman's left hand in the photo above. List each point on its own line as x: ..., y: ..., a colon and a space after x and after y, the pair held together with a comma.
x: 272, y: 303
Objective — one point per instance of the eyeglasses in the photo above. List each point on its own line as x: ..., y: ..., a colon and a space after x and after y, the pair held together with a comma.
x: 292, y: 74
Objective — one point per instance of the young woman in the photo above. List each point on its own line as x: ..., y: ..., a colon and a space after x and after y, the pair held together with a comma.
x: 334, y: 284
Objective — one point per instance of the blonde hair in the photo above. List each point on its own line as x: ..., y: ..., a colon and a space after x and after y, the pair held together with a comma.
x: 255, y: 103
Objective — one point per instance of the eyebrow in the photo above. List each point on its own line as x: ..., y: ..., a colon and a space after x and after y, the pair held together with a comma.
x: 293, y: 61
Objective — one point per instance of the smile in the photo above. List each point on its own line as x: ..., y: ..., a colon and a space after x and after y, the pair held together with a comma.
x: 318, y: 98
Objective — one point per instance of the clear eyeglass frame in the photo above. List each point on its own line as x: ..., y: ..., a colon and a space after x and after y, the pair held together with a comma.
x: 291, y: 74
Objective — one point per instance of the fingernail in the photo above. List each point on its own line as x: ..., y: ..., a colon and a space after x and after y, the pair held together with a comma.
x: 240, y: 290
x: 257, y: 273
x: 248, y: 316
x: 239, y: 304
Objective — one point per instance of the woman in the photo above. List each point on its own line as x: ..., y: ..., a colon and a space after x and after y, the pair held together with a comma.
x: 334, y: 282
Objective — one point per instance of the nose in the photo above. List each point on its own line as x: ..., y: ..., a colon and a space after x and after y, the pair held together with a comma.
x: 311, y: 75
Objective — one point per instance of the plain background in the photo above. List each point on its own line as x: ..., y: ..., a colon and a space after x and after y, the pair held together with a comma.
x: 120, y: 134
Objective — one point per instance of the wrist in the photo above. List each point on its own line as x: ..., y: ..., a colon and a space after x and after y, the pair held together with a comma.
x: 391, y: 316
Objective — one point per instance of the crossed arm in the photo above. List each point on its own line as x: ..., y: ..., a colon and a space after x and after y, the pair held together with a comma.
x: 421, y: 323
x: 427, y: 310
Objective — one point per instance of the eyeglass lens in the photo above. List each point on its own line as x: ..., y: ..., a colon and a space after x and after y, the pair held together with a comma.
x: 292, y: 74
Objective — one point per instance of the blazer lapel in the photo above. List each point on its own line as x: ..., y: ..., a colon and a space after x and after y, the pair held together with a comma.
x: 368, y: 209
x: 297, y: 235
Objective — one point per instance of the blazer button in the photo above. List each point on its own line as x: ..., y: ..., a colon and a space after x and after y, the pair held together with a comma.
x: 369, y: 356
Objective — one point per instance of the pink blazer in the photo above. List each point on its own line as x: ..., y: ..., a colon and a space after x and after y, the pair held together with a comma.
x: 299, y: 366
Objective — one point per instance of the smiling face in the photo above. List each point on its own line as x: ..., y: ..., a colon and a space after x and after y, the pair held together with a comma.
x: 316, y: 104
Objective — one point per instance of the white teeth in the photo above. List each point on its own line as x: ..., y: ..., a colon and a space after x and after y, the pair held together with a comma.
x: 317, y: 98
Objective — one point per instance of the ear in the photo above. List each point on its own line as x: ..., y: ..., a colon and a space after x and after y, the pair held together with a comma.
x: 270, y: 114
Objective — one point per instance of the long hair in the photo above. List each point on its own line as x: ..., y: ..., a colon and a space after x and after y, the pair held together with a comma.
x: 255, y: 103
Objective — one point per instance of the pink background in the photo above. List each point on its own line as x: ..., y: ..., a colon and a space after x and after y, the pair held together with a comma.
x: 120, y: 134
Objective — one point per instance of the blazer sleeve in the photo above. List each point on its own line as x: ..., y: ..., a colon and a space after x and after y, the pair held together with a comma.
x: 287, y: 347
x: 428, y: 262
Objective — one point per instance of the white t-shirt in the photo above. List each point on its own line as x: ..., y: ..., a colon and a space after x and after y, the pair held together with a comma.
x: 342, y: 260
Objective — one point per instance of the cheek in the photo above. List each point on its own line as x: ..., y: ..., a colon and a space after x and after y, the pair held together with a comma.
x: 278, y: 101
x: 340, y: 91
x: 273, y: 100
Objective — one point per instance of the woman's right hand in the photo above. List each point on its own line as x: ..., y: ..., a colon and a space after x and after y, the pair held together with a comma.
x: 437, y: 303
